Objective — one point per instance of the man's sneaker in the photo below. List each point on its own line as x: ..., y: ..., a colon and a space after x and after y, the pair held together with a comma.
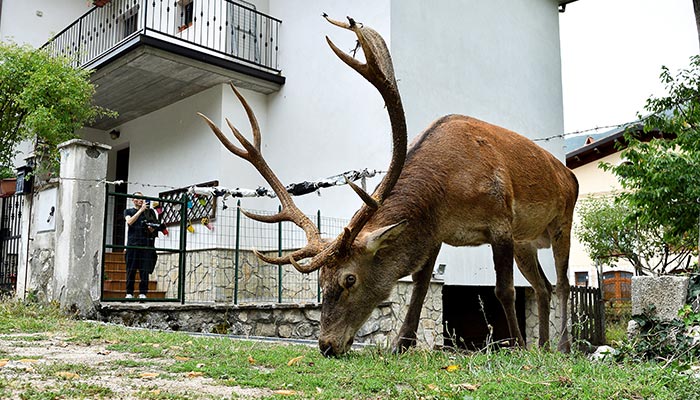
x: 129, y: 296
x: 142, y: 296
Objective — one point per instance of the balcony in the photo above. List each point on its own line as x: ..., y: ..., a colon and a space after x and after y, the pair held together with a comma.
x: 148, y: 54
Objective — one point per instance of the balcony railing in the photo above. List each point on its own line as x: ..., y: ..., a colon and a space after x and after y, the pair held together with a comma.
x: 221, y: 27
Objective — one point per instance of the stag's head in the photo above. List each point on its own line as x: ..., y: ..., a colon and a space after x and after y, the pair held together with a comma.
x: 351, y: 265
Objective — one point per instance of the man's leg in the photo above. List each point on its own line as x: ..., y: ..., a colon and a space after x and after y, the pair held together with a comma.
x: 130, y: 272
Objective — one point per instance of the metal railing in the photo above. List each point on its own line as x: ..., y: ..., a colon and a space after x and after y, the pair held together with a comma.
x: 222, y: 27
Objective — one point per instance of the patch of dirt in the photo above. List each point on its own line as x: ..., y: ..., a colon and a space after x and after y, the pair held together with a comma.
x: 23, y: 356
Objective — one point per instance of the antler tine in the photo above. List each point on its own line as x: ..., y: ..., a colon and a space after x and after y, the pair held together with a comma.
x: 292, y: 259
x: 251, y: 117
x: 379, y: 71
x: 223, y: 139
x: 289, y: 211
x: 369, y: 200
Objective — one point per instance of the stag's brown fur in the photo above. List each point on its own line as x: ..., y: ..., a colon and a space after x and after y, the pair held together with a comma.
x: 465, y: 183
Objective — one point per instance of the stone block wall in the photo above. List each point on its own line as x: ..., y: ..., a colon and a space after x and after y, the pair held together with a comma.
x: 384, y: 323
x: 666, y: 294
x: 291, y: 321
x: 532, y: 334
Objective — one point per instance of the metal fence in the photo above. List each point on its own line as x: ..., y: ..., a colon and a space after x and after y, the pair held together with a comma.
x: 223, y: 27
x: 587, y: 314
x: 10, y: 236
x: 206, y: 253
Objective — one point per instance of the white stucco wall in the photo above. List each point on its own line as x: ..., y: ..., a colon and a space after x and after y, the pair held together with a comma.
x: 35, y: 21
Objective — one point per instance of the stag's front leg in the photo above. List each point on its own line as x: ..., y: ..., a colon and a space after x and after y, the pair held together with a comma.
x: 505, y: 290
x: 421, y: 282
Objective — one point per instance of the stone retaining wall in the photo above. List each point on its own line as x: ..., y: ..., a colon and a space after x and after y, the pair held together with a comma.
x: 294, y: 321
x: 532, y: 334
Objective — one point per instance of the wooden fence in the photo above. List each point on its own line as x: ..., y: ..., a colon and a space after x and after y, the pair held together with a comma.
x: 587, y: 315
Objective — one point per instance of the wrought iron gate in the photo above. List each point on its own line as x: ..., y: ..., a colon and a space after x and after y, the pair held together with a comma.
x: 10, y: 237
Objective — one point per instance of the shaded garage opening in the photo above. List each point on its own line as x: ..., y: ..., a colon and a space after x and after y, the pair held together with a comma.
x: 465, y: 323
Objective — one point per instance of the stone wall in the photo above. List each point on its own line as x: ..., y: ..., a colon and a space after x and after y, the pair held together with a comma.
x: 532, y: 333
x: 385, y: 321
x: 293, y: 321
x: 665, y: 294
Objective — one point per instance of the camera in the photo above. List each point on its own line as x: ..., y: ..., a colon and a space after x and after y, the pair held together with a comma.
x: 148, y: 203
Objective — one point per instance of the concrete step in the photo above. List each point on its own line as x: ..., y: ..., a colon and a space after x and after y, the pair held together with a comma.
x: 117, y: 256
x: 120, y: 285
x: 119, y: 295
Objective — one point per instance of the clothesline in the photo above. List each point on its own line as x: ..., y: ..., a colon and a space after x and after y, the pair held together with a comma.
x: 295, y: 189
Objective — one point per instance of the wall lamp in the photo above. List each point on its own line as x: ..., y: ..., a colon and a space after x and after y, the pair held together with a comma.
x: 439, y: 271
x: 114, y: 134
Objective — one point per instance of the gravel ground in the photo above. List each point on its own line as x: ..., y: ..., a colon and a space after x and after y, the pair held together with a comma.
x: 24, y: 357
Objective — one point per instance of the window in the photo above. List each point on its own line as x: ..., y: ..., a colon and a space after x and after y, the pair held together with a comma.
x: 617, y: 286
x: 130, y: 21
x: 581, y: 279
x: 186, y: 14
x: 242, y: 39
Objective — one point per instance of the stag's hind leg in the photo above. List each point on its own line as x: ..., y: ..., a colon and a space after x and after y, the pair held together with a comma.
x: 529, y: 265
x: 561, y: 242
x: 421, y: 282
x: 505, y: 290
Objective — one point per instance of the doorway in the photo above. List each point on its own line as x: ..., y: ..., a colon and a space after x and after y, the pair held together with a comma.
x: 121, y: 174
x: 469, y: 310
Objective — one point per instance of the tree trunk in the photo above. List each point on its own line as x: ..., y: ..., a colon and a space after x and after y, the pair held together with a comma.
x: 696, y: 9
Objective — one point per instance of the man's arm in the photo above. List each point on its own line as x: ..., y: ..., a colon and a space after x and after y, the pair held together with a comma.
x: 130, y: 220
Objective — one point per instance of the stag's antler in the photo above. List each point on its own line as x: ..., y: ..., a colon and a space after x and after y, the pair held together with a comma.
x: 289, y: 212
x: 379, y: 71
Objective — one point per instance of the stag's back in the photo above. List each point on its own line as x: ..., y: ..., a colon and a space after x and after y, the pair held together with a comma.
x: 465, y: 178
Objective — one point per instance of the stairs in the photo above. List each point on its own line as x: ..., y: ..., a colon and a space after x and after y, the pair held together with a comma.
x: 114, y: 276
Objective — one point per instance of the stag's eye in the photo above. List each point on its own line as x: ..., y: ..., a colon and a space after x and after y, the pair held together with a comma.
x: 349, y: 281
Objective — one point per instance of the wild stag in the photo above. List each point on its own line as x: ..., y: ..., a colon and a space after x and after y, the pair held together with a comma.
x: 463, y: 182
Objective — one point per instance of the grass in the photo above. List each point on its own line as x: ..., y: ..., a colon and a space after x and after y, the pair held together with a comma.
x: 301, y: 372
x: 617, y: 315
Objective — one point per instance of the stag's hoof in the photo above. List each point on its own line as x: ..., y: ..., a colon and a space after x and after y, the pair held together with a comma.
x: 564, y: 347
x: 403, y: 344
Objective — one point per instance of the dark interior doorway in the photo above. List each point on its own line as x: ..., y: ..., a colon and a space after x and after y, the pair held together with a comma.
x: 465, y: 324
x: 122, y: 173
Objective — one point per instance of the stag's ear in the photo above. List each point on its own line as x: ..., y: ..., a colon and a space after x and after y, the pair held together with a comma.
x: 382, y: 237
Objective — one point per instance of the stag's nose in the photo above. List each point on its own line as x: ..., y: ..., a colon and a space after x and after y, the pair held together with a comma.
x: 329, y: 349
x: 326, y: 348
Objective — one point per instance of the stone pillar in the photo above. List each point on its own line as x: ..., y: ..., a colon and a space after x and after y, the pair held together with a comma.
x: 667, y: 294
x: 80, y: 226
